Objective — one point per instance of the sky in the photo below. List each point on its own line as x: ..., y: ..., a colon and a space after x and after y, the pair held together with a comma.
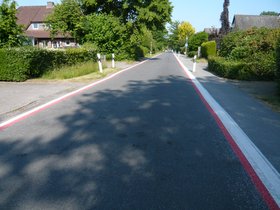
x: 202, y: 13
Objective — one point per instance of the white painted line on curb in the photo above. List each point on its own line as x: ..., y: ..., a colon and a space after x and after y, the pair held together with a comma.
x: 267, y: 174
x: 19, y: 117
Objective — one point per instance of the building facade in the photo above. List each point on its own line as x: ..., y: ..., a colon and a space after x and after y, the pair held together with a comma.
x: 33, y: 19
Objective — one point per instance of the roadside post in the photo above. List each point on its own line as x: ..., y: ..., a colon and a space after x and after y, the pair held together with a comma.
x: 199, y: 52
x: 113, y: 60
x: 194, y: 63
x: 99, y: 63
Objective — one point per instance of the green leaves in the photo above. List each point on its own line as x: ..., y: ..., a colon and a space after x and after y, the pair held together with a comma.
x: 105, y: 31
x: 66, y: 19
x: 196, y: 40
x: 19, y: 64
x: 10, y: 33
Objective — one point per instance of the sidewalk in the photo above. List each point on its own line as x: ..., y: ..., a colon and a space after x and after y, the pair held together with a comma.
x: 256, y: 119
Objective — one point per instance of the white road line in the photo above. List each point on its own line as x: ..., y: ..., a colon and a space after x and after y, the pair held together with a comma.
x: 19, y: 117
x: 262, y: 167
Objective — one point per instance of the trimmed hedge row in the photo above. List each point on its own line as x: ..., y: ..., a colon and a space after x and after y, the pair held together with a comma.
x: 233, y: 69
x: 208, y: 49
x: 19, y: 64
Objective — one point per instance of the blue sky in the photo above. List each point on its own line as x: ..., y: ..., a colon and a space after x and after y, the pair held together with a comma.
x: 204, y: 13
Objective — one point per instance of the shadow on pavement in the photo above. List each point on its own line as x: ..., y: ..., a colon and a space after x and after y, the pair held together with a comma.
x: 121, y: 149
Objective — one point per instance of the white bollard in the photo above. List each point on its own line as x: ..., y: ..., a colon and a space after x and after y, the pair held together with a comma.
x: 113, y: 60
x: 194, y: 63
x: 99, y: 63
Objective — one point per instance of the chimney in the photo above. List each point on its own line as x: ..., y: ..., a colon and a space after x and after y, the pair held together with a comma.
x: 50, y: 5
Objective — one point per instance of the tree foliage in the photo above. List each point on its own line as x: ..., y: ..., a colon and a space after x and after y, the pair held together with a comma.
x: 185, y: 30
x: 11, y: 34
x: 173, y: 40
x: 271, y: 13
x: 178, y: 33
x: 66, y: 19
x: 196, y: 40
x: 129, y: 26
x: 104, y: 31
x: 225, y: 28
x: 154, y: 14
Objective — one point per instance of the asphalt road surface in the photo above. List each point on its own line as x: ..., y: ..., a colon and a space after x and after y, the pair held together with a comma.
x: 141, y: 140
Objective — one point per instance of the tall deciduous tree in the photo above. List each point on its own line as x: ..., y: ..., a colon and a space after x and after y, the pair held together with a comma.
x: 225, y: 19
x: 11, y: 34
x: 185, y: 29
x: 104, y: 31
x: 66, y: 19
x: 154, y: 14
x: 174, y: 42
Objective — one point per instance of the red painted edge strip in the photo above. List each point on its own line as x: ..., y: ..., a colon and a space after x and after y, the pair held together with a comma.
x: 245, y: 163
x: 66, y: 96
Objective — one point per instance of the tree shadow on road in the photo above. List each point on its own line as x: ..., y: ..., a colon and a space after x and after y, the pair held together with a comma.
x: 121, y: 149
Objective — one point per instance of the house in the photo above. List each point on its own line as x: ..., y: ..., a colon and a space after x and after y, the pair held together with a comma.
x: 244, y: 22
x: 212, y: 32
x: 33, y: 20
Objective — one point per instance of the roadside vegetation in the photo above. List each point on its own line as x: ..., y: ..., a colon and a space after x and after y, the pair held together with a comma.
x: 247, y: 55
x: 68, y: 72
x: 130, y: 31
x: 251, y: 55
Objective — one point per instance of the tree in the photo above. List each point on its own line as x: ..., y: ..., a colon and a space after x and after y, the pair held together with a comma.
x: 104, y: 31
x: 154, y: 14
x: 11, y: 34
x: 271, y: 13
x: 196, y: 40
x: 185, y: 29
x: 174, y: 35
x: 66, y: 19
x: 225, y: 19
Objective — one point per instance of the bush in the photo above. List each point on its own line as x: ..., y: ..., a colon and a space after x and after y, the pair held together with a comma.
x: 13, y: 66
x: 196, y: 40
x: 19, y: 64
x: 208, y: 49
x: 255, y: 48
x: 230, y: 69
x: 191, y: 54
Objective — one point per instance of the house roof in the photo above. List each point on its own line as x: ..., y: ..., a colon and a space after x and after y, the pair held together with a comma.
x: 243, y: 22
x: 28, y: 14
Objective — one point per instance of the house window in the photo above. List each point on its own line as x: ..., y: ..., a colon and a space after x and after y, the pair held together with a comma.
x: 35, y: 25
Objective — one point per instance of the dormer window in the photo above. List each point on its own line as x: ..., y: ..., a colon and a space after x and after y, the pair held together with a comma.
x: 35, y: 25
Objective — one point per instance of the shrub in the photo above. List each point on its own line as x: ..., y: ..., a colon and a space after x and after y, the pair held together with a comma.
x: 255, y: 48
x: 240, y: 53
x: 13, y: 65
x: 230, y: 69
x: 196, y: 40
x: 192, y: 54
x: 208, y: 49
x: 19, y: 64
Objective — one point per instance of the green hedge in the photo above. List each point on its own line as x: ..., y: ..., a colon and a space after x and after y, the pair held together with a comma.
x: 19, y: 64
x: 241, y: 70
x: 255, y: 49
x: 208, y: 49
